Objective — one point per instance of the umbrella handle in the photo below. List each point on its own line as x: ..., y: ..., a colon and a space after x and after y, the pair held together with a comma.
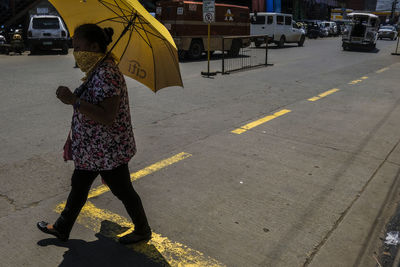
x: 130, y: 23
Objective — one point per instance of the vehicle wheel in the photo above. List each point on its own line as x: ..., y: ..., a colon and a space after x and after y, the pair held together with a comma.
x: 33, y: 50
x: 196, y: 49
x: 235, y: 48
x: 281, y: 43
x: 65, y: 49
x: 302, y: 39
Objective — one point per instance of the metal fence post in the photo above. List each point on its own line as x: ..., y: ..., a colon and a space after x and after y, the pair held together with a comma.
x: 266, y: 50
x: 223, y: 55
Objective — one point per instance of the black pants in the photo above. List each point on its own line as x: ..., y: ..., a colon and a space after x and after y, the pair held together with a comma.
x: 120, y: 185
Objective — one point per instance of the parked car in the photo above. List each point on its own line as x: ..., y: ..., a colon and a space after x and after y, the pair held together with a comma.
x: 362, y: 32
x: 313, y: 30
x: 2, y: 43
x: 323, y: 31
x: 17, y: 43
x: 331, y: 27
x: 279, y: 27
x: 47, y: 32
x: 341, y: 25
x: 387, y: 31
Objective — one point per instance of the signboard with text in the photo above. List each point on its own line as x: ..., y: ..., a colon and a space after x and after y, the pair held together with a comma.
x: 209, y: 11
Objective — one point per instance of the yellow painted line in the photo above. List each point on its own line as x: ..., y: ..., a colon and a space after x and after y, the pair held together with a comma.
x: 382, y: 70
x: 260, y: 121
x: 315, y: 98
x: 364, y: 77
x: 146, y: 171
x: 159, y: 249
x: 355, y: 82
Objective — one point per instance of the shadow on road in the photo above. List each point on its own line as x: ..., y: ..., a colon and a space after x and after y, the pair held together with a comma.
x: 106, y: 251
x: 273, y: 47
x: 364, y: 50
x: 46, y: 53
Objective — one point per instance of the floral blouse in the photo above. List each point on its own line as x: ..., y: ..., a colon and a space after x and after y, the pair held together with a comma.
x: 95, y: 146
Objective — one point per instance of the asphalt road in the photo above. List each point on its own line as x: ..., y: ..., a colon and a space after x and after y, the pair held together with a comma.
x: 305, y: 185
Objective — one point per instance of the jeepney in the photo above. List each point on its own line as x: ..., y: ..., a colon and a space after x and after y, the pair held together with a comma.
x: 362, y: 32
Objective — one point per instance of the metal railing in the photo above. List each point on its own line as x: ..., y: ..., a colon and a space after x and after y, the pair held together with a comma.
x: 244, y: 52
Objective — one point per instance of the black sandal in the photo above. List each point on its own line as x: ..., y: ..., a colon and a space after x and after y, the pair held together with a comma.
x: 43, y: 227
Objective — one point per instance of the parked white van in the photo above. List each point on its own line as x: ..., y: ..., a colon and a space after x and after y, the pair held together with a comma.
x: 279, y: 27
x: 47, y: 32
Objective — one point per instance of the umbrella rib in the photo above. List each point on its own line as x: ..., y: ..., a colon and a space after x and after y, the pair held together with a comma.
x: 128, y: 6
x: 102, y: 2
x: 126, y: 47
x: 144, y: 30
x: 154, y: 60
x: 111, y: 19
x: 108, y: 4
x: 120, y: 9
x: 149, y: 32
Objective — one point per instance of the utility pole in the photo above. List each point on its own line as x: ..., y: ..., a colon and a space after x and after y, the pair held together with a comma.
x: 394, y: 4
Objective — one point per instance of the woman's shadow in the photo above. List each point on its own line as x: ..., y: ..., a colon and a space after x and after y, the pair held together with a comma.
x: 105, y: 251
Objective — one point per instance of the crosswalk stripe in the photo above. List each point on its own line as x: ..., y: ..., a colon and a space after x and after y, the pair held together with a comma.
x: 174, y: 253
x: 146, y: 171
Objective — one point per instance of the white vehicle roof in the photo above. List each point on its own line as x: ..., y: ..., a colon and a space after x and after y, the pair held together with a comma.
x: 269, y: 14
x: 45, y: 16
x: 362, y: 14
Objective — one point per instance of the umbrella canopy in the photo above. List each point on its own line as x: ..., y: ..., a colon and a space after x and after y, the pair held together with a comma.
x: 144, y: 47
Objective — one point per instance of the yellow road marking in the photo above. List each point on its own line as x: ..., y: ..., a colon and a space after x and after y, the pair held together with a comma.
x: 260, y: 121
x: 315, y: 98
x: 355, y: 82
x: 146, y: 171
x: 382, y: 70
x: 364, y: 77
x: 159, y: 248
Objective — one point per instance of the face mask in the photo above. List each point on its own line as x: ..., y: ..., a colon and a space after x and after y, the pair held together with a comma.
x: 87, y: 60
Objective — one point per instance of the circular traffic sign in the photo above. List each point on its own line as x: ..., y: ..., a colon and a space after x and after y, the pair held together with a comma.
x: 208, y: 17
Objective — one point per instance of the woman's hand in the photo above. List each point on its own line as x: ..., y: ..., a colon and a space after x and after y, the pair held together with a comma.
x: 65, y: 95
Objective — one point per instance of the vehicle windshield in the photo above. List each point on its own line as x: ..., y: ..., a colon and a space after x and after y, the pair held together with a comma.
x: 361, y: 20
x: 45, y: 23
x: 387, y: 27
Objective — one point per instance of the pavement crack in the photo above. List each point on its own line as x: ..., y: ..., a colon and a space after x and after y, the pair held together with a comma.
x: 9, y: 200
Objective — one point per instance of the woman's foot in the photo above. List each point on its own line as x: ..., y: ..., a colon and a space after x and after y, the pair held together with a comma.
x: 49, y: 229
x: 135, y: 237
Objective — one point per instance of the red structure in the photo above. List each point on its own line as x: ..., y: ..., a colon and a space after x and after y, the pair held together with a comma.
x: 356, y: 4
x: 258, y: 6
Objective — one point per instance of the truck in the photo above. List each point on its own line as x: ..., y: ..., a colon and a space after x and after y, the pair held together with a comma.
x: 184, y: 20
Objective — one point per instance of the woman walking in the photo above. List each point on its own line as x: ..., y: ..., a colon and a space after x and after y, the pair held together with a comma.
x: 102, y: 139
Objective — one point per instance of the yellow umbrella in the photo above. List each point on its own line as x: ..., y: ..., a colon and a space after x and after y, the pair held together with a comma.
x: 144, y: 47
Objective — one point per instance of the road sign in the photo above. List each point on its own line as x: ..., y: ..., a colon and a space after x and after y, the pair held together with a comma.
x: 209, y: 11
